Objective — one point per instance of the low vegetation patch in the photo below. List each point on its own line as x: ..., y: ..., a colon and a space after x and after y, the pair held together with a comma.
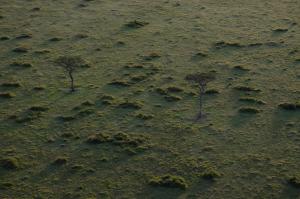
x: 21, y: 49
x: 98, y: 138
x: 249, y: 110
x: 136, y: 24
x: 169, y: 181
x: 124, y: 139
x: 119, y: 83
x: 7, y: 95
x: 21, y: 65
x: 60, y: 161
x: 251, y: 100
x: 246, y: 88
x: 11, y: 85
x: 290, y: 106
x: 210, y: 174
x: 9, y: 163
x: 130, y: 105
x: 212, y: 92
x: 172, y: 98
x: 38, y: 108
x: 294, y: 181
x: 224, y: 44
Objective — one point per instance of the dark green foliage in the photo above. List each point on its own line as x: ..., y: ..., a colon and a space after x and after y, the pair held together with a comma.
x: 144, y: 116
x: 289, y: 106
x: 38, y: 108
x: 5, y: 185
x: 98, y: 138
x: 210, y: 174
x: 212, y: 92
x: 223, y: 44
x: 7, y: 95
x: 39, y: 88
x: 161, y: 91
x: 174, y: 89
x: 119, y: 83
x: 60, y: 161
x: 9, y: 163
x: 294, y: 181
x: 54, y: 39
x: 66, y: 118
x: 138, y: 78
x: 251, y: 100
x: 107, y: 99
x: 200, y: 78
x: 172, y: 98
x: 249, y: 110
x: 130, y: 105
x: 70, y: 64
x: 169, y: 181
x: 136, y: 24
x: 247, y: 89
x: 124, y: 139
x: 240, y: 68
x: 152, y: 56
x: 24, y: 36
x: 21, y: 65
x: 11, y: 85
x: 22, y: 49
x: 4, y: 38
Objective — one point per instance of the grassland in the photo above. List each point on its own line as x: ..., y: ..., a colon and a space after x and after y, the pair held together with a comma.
x: 128, y: 130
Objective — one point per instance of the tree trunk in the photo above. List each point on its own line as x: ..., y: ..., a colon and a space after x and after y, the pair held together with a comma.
x: 72, y: 82
x: 201, y: 93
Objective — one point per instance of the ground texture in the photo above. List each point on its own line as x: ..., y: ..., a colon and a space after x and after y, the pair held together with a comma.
x: 128, y: 130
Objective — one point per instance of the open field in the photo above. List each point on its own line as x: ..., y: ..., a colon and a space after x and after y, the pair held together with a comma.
x: 128, y: 129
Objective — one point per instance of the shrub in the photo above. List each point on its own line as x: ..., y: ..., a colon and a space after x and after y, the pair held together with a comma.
x: 9, y: 163
x: 289, y: 106
x: 98, y: 138
x: 249, y: 110
x: 169, y: 181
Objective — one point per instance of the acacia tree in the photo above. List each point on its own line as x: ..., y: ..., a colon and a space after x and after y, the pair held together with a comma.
x: 201, y: 79
x: 70, y: 65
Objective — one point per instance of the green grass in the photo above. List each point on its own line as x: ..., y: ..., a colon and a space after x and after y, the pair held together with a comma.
x: 131, y: 118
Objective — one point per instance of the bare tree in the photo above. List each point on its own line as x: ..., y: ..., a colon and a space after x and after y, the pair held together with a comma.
x: 70, y: 64
x: 201, y: 79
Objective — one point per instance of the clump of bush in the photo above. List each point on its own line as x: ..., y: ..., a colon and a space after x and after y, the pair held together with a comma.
x: 120, y: 83
x: 240, y: 68
x: 21, y: 49
x: 98, y: 138
x: 21, y: 65
x: 11, y: 85
x: 294, y: 181
x: 210, y: 174
x: 144, y: 116
x: 172, y: 98
x: 60, y: 161
x: 136, y: 24
x: 130, y: 105
x: 152, y: 56
x: 169, y: 181
x: 126, y: 140
x: 246, y: 88
x: 38, y: 108
x: 7, y: 95
x: 9, y: 163
x: 107, y: 99
x: 290, y: 106
x: 251, y: 100
x: 212, y: 92
x: 249, y: 110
